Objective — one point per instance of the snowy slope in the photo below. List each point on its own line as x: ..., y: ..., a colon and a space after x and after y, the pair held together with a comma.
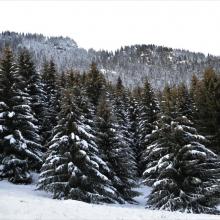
x: 23, y: 202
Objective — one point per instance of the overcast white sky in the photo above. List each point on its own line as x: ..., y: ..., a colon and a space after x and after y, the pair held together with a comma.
x: 193, y: 25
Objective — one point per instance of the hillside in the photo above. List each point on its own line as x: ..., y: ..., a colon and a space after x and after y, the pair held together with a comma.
x: 132, y: 63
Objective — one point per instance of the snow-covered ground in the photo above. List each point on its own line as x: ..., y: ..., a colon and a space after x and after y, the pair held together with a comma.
x: 23, y: 202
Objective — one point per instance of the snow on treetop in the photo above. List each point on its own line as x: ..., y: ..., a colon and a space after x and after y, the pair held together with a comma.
x: 158, y: 182
x: 84, y: 144
x: 82, y: 129
x: 110, y: 190
x: 11, y: 138
x: 64, y: 138
x: 2, y: 114
x: 3, y: 104
x: 196, y: 180
x: 24, y: 145
x: 11, y: 114
x: 150, y: 170
x: 74, y: 137
x: 196, y: 152
x: 82, y: 153
x: 179, y: 127
x: 1, y: 128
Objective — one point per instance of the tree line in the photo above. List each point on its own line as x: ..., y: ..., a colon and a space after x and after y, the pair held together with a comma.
x: 92, y: 140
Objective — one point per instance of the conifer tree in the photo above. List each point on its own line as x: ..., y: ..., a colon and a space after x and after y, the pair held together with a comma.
x: 158, y: 149
x: 175, y: 103
x: 211, y: 83
x: 20, y: 150
x: 185, y: 105
x: 183, y: 172
x: 147, y: 118
x: 33, y: 84
x: 193, y: 85
x: 95, y: 83
x: 121, y: 113
x: 133, y: 114
x: 113, y: 151
x: 51, y: 99
x: 168, y: 101
x: 186, y: 174
x: 206, y: 95
x: 73, y: 167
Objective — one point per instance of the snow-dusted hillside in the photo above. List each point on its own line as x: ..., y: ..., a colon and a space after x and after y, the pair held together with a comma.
x: 23, y: 202
x: 133, y: 64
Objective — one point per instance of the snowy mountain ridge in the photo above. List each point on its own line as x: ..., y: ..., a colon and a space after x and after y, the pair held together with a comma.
x: 133, y: 64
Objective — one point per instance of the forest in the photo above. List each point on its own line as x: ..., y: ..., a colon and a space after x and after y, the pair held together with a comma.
x: 93, y: 140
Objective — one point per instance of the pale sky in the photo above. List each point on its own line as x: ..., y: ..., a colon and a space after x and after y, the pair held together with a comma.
x: 192, y: 25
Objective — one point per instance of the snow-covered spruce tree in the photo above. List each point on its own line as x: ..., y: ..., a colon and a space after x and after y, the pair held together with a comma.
x: 133, y: 115
x: 95, y: 83
x: 72, y: 167
x: 168, y: 101
x: 183, y: 172
x: 75, y: 80
x: 188, y: 173
x: 113, y: 151
x: 62, y: 81
x: 121, y: 113
x: 206, y: 95
x: 51, y: 99
x: 88, y: 110
x: 34, y: 87
x: 159, y: 142
x: 147, y: 120
x: 20, y: 150
x: 158, y: 150
x: 185, y: 104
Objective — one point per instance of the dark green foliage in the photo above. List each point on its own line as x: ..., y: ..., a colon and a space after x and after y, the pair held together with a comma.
x: 51, y: 99
x: 31, y: 81
x: 121, y: 113
x: 20, y: 148
x: 114, y: 151
x: 185, y: 104
x: 169, y: 101
x: 187, y: 173
x: 147, y: 120
x: 206, y: 95
x: 95, y: 84
x: 73, y: 169
x: 183, y: 172
x: 160, y: 147
x: 133, y: 115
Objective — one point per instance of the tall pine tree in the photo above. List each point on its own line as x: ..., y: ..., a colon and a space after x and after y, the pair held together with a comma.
x: 73, y: 168
x: 121, y: 112
x: 186, y: 177
x: 51, y: 99
x: 114, y: 151
x: 95, y: 84
x: 34, y: 88
x: 183, y: 172
x: 147, y: 120
x: 206, y: 95
x: 20, y: 150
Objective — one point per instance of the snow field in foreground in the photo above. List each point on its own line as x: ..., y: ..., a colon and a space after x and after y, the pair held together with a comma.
x: 23, y: 202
